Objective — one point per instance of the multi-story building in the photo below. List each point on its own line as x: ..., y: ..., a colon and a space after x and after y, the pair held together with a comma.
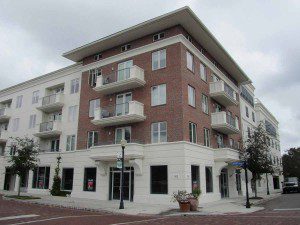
x: 269, y: 122
x: 167, y: 86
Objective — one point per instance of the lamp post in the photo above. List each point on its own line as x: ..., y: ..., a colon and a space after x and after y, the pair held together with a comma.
x: 247, y: 192
x: 123, y: 144
x: 268, y: 191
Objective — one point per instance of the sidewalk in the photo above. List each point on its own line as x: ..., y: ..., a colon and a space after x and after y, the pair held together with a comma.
x: 224, y: 206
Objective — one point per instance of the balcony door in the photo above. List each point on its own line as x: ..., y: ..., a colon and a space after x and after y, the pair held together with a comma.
x: 123, y: 133
x: 124, y: 70
x: 122, y: 106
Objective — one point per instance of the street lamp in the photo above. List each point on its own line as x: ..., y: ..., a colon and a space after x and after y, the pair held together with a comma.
x: 123, y: 144
x: 247, y: 192
x: 268, y: 191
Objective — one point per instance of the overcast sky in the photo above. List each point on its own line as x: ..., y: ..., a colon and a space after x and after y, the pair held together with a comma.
x: 262, y: 36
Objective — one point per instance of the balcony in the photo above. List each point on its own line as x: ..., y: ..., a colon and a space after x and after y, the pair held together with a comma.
x: 49, y: 129
x: 222, y: 93
x: 3, y: 136
x: 52, y: 103
x: 226, y: 154
x: 5, y: 114
x: 120, y: 80
x: 224, y: 123
x: 130, y: 112
x: 110, y: 151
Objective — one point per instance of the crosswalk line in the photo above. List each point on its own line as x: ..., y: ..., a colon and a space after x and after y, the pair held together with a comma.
x: 18, y: 217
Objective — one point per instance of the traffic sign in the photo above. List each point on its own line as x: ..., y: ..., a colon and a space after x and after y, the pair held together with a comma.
x: 238, y: 163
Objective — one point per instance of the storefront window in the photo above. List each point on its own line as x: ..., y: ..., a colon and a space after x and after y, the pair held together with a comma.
x: 41, y: 178
x: 90, y: 179
x: 159, y: 179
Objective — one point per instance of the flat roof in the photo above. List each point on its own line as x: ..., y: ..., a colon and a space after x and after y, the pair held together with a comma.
x: 184, y: 17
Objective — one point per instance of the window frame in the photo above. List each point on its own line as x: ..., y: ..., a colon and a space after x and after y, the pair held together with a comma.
x: 193, y: 132
x: 95, y: 106
x: 160, y: 100
x: 192, y: 102
x: 206, y: 134
x: 32, y: 121
x: 35, y: 178
x: 209, y: 187
x: 93, y: 74
x: 89, y: 145
x: 204, y: 104
x: 203, y: 76
x: 35, y: 97
x: 160, y: 53
x: 19, y: 101
x: 160, y: 36
x: 72, y: 114
x: 159, y: 131
x: 74, y: 88
x: 164, y: 192
x: 71, y: 143
x: 187, y: 61
x: 85, y: 188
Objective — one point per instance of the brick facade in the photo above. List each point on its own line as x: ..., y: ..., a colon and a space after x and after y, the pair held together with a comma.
x: 177, y: 113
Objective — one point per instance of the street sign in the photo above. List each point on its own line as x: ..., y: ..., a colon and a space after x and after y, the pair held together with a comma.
x: 239, y: 164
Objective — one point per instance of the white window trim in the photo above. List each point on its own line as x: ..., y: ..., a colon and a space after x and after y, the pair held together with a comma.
x: 193, y: 63
x: 192, y: 102
x: 159, y: 132
x: 159, y: 56
x: 194, y: 125
x: 160, y: 101
x: 123, y: 132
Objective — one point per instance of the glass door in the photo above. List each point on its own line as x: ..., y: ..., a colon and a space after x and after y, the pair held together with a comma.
x: 123, y: 133
x: 124, y: 70
x: 115, y: 183
x: 122, y: 106
x: 224, y: 184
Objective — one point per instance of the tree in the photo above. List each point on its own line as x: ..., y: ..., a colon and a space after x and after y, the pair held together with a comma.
x: 291, y: 163
x: 23, y: 157
x: 56, y: 179
x: 258, y: 154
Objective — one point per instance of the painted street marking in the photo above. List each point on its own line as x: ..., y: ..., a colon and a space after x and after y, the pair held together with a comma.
x: 139, y: 221
x: 291, y: 209
x: 18, y: 217
x: 58, y: 218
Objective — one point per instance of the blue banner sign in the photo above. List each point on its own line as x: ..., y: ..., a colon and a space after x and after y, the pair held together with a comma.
x: 239, y: 164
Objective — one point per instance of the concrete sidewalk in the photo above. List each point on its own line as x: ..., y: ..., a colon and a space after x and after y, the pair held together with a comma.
x: 224, y: 206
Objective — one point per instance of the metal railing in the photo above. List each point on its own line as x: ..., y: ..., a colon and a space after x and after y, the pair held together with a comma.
x: 46, y: 126
x: 233, y: 146
x: 229, y: 91
x: 114, y: 110
x: 114, y: 142
x: 230, y: 120
x: 50, y: 99
x: 118, y: 75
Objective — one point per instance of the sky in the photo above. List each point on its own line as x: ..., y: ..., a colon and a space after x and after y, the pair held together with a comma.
x: 262, y: 36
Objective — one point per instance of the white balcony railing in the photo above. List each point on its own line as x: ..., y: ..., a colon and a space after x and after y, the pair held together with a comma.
x: 120, y: 80
x: 52, y: 103
x: 130, y: 112
x: 49, y: 129
x: 224, y: 123
x: 223, y: 93
x: 5, y: 114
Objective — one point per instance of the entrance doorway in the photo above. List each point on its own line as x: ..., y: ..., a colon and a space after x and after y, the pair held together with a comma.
x: 115, y: 183
x: 238, y: 182
x: 276, y: 182
x: 24, y: 182
x: 9, y: 180
x: 224, y: 189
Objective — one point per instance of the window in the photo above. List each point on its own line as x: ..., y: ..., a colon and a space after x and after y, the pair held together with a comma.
x: 231, y: 142
x: 72, y: 114
x: 206, y: 137
x: 41, y: 178
x: 54, y: 145
x: 35, y: 97
x: 32, y: 121
x: 67, y: 179
x: 158, y: 95
x: 71, y: 139
x: 249, y: 132
x: 159, y: 59
x: 97, y: 57
x: 218, y: 107
x: 56, y: 116
x: 220, y: 140
x: 159, y: 36
x: 15, y: 125
x: 19, y: 101
x: 159, y: 132
x: 13, y: 149
x: 193, y: 132
x: 237, y: 122
x: 90, y: 179
x: 203, y: 72
x: 94, y: 104
x: 192, y: 96
x: 195, y: 176
x: 204, y: 103
x: 74, y: 86
x: 209, y: 179
x: 125, y: 47
x: 93, y: 138
x: 93, y: 74
x: 123, y: 133
x: 253, y: 117
x: 159, y: 179
x: 190, y: 61
x: 247, y: 111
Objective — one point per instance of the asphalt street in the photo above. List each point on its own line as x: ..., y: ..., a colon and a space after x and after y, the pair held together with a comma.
x: 284, y: 210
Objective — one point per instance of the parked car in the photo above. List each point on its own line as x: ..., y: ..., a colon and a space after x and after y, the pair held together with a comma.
x: 290, y: 184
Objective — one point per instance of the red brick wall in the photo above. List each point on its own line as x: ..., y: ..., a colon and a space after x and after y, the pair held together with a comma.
x: 177, y: 113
